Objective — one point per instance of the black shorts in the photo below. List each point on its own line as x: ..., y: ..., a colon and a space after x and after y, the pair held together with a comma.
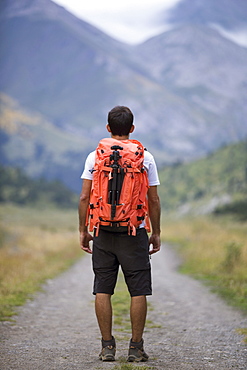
x: 111, y: 250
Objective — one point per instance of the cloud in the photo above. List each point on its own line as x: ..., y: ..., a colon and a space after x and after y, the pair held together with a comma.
x: 131, y: 21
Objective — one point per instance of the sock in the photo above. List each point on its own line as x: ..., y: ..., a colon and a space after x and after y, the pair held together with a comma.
x: 138, y: 345
x: 106, y: 343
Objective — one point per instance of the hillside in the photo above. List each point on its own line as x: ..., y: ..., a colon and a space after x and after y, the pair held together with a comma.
x: 17, y: 188
x: 40, y: 148
x: 203, y: 185
x: 186, y: 87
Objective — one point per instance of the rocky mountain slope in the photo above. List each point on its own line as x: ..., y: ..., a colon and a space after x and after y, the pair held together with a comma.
x: 209, y: 73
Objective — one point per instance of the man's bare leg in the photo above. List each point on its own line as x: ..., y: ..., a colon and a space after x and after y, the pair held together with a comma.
x: 138, y: 313
x: 103, y: 310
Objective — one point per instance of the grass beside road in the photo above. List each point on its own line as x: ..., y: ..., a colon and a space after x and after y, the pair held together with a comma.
x: 35, y: 245
x: 213, y: 249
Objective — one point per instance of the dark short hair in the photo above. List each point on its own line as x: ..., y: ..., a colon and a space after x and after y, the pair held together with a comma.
x: 120, y: 120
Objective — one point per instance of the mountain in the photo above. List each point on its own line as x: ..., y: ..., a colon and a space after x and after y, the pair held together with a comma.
x: 57, y: 64
x: 71, y: 73
x: 198, y: 65
x: 186, y: 87
x: 229, y: 14
x: 228, y: 17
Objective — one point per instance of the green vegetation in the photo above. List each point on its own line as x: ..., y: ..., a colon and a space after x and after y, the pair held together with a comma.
x: 237, y: 208
x: 18, y: 188
x: 29, y: 238
x: 132, y: 367
x: 214, y: 250
x: 221, y: 174
x: 243, y: 332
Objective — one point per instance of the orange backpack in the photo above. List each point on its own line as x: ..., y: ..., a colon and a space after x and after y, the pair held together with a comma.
x: 119, y: 187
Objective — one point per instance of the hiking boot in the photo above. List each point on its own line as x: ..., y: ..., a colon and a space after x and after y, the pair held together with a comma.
x: 136, y: 352
x: 108, y: 350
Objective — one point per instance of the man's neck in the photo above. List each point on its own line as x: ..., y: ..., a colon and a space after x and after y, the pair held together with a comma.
x: 116, y: 137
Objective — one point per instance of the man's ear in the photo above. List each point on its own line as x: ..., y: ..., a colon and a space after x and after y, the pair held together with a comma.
x: 132, y: 128
x: 108, y: 127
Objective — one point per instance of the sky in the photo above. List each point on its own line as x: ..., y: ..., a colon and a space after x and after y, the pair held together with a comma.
x: 131, y: 21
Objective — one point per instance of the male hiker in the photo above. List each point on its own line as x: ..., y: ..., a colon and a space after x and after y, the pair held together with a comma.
x: 114, y: 244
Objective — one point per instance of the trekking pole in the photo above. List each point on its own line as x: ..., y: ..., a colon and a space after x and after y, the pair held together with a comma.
x: 115, y: 156
x: 120, y: 179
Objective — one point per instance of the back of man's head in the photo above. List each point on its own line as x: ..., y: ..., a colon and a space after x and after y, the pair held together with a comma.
x: 120, y: 120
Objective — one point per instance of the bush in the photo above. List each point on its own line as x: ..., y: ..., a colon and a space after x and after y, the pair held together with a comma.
x: 237, y: 209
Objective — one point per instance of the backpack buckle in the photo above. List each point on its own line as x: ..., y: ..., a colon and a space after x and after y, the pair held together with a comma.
x: 140, y: 218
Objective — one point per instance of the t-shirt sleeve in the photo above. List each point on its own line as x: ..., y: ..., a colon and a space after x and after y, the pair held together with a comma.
x: 87, y: 173
x: 149, y: 163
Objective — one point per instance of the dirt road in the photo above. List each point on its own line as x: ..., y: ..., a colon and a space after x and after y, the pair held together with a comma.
x: 58, y: 330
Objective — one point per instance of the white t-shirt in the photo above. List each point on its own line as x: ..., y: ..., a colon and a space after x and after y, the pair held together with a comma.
x: 149, y: 164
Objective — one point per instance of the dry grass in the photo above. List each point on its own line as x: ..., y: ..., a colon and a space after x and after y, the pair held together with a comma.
x: 34, y: 245
x: 214, y: 249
